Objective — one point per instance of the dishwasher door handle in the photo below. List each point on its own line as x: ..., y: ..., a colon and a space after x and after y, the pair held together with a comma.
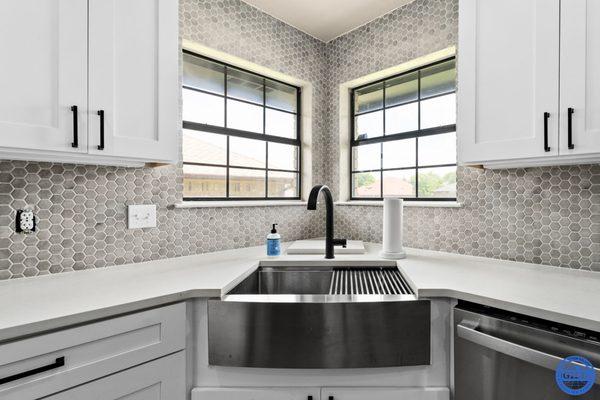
x: 468, y: 330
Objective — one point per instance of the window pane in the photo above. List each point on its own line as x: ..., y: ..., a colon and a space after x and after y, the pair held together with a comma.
x: 437, y: 182
x: 244, y: 116
x: 438, y: 111
x: 244, y: 86
x: 437, y: 149
x: 199, y: 181
x: 400, y: 153
x: 247, y: 152
x: 402, y: 119
x: 202, y: 108
x: 280, y: 123
x: 283, y: 184
x: 438, y: 79
x: 281, y: 96
x: 366, y: 184
x: 366, y: 157
x: 246, y: 183
x: 399, y: 183
x: 369, y: 125
x: 203, y: 147
x: 368, y: 98
x: 283, y: 156
x: 203, y: 74
x: 402, y: 89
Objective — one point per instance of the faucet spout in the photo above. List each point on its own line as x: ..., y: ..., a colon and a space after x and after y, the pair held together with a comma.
x: 330, y: 242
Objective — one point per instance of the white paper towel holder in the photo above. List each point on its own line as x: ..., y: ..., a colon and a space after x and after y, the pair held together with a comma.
x: 392, y: 229
x: 388, y: 255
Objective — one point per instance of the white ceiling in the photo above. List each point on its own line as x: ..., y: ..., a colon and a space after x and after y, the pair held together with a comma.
x: 326, y: 19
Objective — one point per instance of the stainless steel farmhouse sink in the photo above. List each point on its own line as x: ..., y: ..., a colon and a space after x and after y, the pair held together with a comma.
x: 330, y: 315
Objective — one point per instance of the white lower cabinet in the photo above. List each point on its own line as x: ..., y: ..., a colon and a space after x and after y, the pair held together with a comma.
x: 162, y: 379
x: 56, y: 362
x: 374, y: 393
x: 327, y: 393
x: 285, y: 393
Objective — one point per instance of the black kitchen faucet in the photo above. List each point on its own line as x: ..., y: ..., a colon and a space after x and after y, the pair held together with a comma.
x: 330, y: 242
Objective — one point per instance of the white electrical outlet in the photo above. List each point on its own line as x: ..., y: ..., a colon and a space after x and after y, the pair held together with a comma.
x: 25, y: 221
x: 141, y: 216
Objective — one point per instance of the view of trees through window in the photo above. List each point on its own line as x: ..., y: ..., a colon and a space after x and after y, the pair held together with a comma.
x: 404, y: 135
x: 241, y: 133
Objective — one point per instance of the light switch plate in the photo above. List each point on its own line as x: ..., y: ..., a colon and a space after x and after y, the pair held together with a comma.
x: 141, y: 216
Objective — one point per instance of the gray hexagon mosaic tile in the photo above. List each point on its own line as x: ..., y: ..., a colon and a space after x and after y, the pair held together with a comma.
x: 541, y: 215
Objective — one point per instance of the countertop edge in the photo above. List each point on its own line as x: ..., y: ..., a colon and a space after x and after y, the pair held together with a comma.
x: 582, y: 323
x: 68, y: 321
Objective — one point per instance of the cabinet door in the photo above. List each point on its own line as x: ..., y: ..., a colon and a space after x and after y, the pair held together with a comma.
x: 43, y: 73
x: 163, y: 379
x: 134, y: 78
x: 580, y: 76
x: 255, y: 394
x: 508, y: 77
x: 412, y: 393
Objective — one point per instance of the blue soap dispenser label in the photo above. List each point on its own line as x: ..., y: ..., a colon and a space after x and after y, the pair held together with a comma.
x: 273, y: 247
x: 273, y: 242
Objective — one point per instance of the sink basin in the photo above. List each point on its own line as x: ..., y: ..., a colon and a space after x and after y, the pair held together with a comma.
x: 320, y: 316
x: 330, y: 283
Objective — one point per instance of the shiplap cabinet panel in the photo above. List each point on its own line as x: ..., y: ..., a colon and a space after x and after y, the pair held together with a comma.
x: 507, y: 79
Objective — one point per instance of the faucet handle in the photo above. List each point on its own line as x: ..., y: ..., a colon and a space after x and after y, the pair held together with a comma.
x: 340, y: 242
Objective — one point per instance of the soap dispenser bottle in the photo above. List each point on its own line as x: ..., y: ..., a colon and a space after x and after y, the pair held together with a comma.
x: 274, y: 242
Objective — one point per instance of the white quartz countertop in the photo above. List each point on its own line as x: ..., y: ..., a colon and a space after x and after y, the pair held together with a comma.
x: 49, y: 302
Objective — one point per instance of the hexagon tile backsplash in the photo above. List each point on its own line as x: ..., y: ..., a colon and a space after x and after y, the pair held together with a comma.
x: 540, y: 215
x: 83, y: 224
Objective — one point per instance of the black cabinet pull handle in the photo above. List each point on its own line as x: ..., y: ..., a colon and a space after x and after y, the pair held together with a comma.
x: 60, y: 361
x: 310, y: 398
x: 75, y: 143
x: 546, y: 116
x: 101, y: 114
x: 570, y: 113
x: 330, y: 397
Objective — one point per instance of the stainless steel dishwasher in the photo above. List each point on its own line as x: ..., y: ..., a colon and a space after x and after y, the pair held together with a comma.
x: 505, y: 356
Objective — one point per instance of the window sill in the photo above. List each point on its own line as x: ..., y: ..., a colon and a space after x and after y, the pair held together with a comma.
x: 379, y: 203
x: 252, y: 203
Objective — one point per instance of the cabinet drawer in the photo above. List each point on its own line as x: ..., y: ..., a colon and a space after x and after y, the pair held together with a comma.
x: 59, y: 360
x: 162, y: 379
x: 375, y: 393
x: 282, y: 393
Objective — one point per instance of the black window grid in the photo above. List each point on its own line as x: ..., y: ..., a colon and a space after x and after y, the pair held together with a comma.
x: 231, y: 132
x: 354, y: 142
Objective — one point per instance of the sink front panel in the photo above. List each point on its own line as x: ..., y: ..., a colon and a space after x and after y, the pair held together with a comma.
x: 319, y: 335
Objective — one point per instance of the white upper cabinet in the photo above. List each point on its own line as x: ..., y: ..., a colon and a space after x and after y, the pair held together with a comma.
x: 580, y: 77
x: 125, y: 51
x: 43, y: 75
x: 133, y: 78
x: 508, y: 73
